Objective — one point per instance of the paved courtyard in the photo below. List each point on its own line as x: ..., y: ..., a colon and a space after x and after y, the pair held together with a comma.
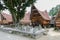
x: 52, y: 35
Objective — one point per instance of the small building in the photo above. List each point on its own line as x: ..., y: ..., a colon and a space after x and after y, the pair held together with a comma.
x: 5, y: 19
x: 57, y: 20
x: 40, y: 17
x: 26, y: 19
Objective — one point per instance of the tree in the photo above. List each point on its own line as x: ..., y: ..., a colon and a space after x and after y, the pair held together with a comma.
x: 1, y: 7
x: 17, y: 8
x: 54, y: 10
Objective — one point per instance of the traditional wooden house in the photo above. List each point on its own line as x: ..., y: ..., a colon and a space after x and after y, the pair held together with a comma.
x: 39, y: 17
x: 52, y: 21
x: 26, y: 19
x: 5, y: 18
x: 57, y: 20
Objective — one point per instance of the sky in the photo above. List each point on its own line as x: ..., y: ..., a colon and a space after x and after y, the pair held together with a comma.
x: 43, y: 5
x: 46, y: 4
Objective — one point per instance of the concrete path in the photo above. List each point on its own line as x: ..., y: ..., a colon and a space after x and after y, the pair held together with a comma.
x: 52, y: 35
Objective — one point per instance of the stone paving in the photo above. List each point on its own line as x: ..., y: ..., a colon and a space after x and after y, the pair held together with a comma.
x: 52, y: 35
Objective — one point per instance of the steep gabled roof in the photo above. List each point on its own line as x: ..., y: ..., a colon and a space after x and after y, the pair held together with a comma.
x: 44, y: 14
x: 7, y: 16
x: 26, y: 19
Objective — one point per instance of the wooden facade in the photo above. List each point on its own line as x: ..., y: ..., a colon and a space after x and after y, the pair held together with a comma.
x: 57, y: 20
x: 38, y: 17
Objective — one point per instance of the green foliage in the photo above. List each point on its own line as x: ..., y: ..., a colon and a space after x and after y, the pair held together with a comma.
x: 17, y: 7
x: 1, y: 7
x: 54, y: 10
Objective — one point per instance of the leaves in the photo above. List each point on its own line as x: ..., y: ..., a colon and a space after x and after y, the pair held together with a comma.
x: 1, y: 7
x: 54, y: 10
x: 17, y: 7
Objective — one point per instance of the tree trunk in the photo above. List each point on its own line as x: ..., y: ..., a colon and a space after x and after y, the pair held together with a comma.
x: 14, y: 18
